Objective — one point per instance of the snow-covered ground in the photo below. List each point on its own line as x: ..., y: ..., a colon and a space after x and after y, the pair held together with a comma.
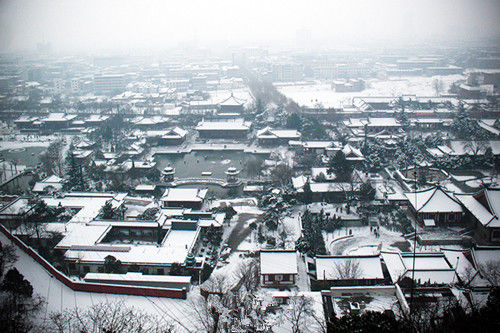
x: 230, y: 270
x: 363, y: 241
x: 310, y: 95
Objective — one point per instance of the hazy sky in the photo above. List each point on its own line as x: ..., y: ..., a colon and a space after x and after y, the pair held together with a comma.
x: 100, y: 24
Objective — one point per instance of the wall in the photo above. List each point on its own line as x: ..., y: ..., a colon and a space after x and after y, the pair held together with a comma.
x: 94, y: 287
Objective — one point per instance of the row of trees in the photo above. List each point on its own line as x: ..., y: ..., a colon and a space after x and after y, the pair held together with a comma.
x: 310, y: 127
x: 311, y: 242
x: 466, y: 128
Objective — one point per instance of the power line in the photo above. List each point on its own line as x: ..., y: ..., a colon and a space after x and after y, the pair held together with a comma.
x: 414, y: 242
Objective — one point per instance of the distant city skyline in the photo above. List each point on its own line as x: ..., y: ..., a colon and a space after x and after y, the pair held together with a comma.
x: 77, y: 26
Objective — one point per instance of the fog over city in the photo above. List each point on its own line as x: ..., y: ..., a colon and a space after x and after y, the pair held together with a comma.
x: 125, y: 25
x: 258, y: 166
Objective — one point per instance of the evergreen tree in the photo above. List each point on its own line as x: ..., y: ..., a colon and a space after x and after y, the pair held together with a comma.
x: 178, y: 270
x: 107, y: 211
x: 18, y: 306
x: 308, y: 194
x: 111, y: 265
x: 294, y: 121
x: 16, y: 283
x: 75, y: 173
x: 311, y: 241
x: 214, y: 235
x: 340, y: 166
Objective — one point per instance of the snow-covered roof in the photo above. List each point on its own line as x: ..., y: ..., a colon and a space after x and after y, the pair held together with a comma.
x: 223, y: 126
x: 278, y: 262
x: 433, y: 200
x: 89, y: 203
x: 83, y: 242
x: 136, y: 277
x: 429, y: 267
x: 435, y: 152
x: 332, y: 187
x: 269, y: 133
x: 464, y: 267
x: 184, y: 194
x: 56, y: 117
x: 495, y: 147
x: 488, y: 128
x: 299, y: 182
x: 110, y: 156
x: 52, y: 179
x: 96, y: 118
x: 317, y: 144
x: 145, y: 187
x: 486, y: 255
x: 176, y: 132
x: 327, y: 268
x: 352, y: 153
x: 427, y: 120
x: 354, y: 122
x: 487, y: 215
x: 84, y: 144
x: 383, y: 122
x: 40, y: 187
x: 175, y: 248
x: 445, y: 149
x: 82, y: 234
x: 232, y: 101
x: 441, y: 277
x: 25, y: 119
x: 372, y: 122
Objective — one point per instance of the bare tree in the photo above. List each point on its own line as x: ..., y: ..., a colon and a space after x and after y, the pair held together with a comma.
x: 348, y: 270
x: 227, y: 301
x: 109, y: 317
x: 438, y: 86
x: 247, y: 274
x: 300, y: 314
x: 426, y: 316
x: 208, y: 313
x: 7, y: 257
x: 216, y: 284
x: 281, y: 174
x: 490, y: 270
x: 285, y: 233
x: 52, y: 158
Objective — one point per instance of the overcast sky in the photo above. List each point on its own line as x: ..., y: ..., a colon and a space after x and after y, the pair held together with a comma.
x: 101, y: 24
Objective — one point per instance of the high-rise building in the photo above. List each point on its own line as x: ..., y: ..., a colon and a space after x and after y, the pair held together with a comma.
x: 109, y: 83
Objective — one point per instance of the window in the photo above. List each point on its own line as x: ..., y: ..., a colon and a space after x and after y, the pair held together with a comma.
x: 285, y: 278
x: 270, y: 278
x: 160, y: 271
x: 86, y: 269
x: 495, y: 234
